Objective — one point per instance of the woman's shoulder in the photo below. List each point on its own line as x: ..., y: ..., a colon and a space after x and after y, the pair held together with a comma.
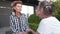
x: 24, y: 15
x: 11, y: 16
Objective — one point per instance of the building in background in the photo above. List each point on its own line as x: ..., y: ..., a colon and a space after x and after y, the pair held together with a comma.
x: 28, y: 10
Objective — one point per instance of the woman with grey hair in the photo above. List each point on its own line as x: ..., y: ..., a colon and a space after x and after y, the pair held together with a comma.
x: 49, y: 24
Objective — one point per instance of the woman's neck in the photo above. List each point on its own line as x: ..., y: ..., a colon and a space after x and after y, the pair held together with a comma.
x: 47, y: 16
x: 18, y: 14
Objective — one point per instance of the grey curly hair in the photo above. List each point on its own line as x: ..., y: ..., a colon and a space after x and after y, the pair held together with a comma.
x: 47, y: 7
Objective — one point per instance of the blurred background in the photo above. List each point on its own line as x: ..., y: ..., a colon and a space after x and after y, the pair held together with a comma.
x: 28, y: 8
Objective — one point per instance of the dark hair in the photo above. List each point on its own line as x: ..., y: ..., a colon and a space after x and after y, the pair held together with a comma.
x: 47, y: 7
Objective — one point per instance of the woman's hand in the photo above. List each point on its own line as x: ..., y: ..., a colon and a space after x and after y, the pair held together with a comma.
x: 24, y: 33
x: 21, y: 33
x: 28, y: 30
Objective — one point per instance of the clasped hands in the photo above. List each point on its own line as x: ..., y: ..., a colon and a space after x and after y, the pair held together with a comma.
x: 24, y: 32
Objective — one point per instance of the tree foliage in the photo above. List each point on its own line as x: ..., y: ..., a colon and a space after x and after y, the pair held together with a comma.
x: 57, y: 9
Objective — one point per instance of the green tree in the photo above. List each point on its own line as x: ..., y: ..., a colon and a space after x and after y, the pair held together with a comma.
x: 34, y: 21
x: 57, y: 9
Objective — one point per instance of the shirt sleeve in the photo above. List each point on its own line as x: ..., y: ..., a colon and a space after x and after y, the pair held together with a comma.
x: 27, y: 25
x: 11, y: 24
x: 44, y: 28
x: 26, y: 22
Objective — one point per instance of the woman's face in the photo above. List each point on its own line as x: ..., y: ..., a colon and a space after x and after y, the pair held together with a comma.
x: 18, y: 7
x: 39, y: 12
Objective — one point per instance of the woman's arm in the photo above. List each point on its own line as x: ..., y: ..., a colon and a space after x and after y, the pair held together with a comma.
x: 30, y: 30
x: 11, y: 24
x: 26, y: 24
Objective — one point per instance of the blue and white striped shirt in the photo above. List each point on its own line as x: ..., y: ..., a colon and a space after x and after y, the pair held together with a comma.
x: 18, y: 24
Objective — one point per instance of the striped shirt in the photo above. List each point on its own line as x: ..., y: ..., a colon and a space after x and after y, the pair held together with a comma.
x: 18, y: 24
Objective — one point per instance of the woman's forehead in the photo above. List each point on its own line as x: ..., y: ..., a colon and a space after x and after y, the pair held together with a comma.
x: 18, y: 5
